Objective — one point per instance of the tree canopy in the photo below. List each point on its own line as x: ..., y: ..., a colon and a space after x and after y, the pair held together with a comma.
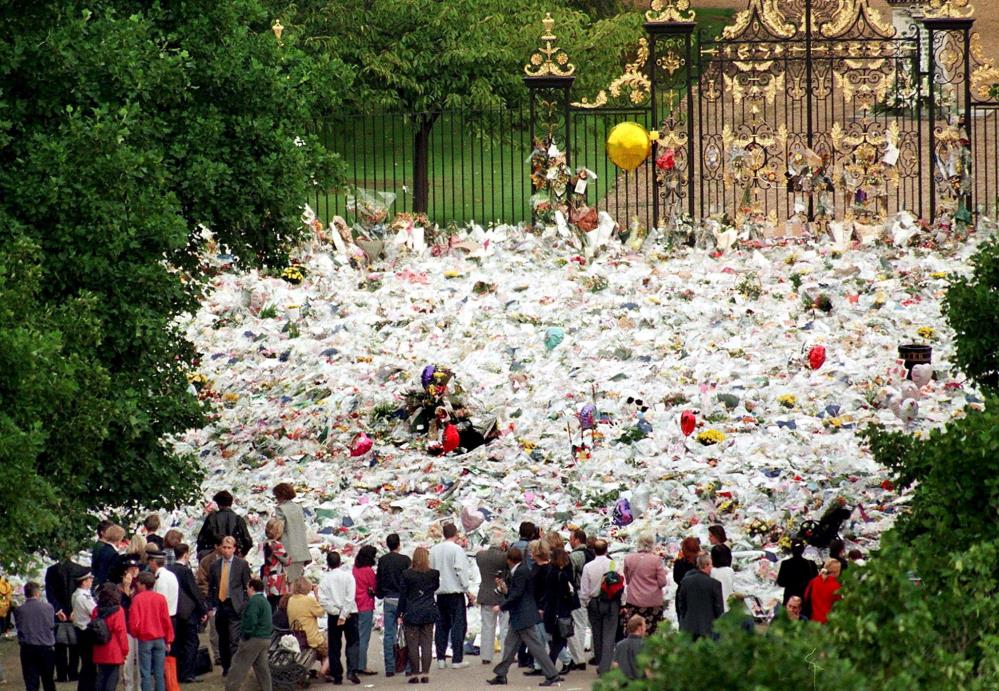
x: 122, y: 131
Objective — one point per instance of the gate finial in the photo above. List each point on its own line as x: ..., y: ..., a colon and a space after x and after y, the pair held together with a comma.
x: 549, y: 59
x: 670, y: 11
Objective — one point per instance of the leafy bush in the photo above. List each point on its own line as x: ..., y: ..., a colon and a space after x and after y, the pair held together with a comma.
x: 971, y: 304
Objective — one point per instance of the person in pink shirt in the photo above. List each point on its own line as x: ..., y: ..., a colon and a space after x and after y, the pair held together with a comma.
x: 644, y: 580
x: 149, y: 623
x: 364, y: 596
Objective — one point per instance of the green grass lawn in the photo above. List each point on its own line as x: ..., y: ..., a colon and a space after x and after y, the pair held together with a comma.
x: 478, y: 161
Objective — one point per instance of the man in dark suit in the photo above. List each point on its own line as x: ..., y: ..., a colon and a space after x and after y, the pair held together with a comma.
x: 699, y: 599
x: 227, y: 582
x: 190, y: 610
x: 524, y: 617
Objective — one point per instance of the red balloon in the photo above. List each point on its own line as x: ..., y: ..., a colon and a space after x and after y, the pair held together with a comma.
x: 816, y: 357
x: 688, y: 421
x: 361, y: 444
x: 451, y: 439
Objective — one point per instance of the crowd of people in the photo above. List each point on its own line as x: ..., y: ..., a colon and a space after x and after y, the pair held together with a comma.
x: 134, y: 615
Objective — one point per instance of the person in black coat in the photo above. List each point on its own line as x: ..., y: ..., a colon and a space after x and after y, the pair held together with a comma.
x: 418, y: 611
x: 191, y: 609
x: 796, y: 572
x: 558, y: 600
x: 60, y: 582
x: 223, y: 522
x: 519, y: 601
x: 699, y: 600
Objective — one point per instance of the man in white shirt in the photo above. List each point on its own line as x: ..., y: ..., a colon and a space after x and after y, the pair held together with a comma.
x: 603, y: 614
x: 336, y: 595
x: 450, y: 560
x: 166, y: 581
x: 83, y: 607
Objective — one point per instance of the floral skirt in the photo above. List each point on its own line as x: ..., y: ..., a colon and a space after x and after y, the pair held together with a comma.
x: 651, y: 615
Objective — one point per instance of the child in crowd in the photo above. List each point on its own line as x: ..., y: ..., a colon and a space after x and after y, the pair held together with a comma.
x: 626, y: 651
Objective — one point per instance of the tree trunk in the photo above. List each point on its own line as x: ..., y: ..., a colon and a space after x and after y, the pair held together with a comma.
x: 421, y: 161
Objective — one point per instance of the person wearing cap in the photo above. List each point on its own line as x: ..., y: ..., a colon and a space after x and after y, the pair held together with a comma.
x: 796, y: 572
x: 34, y: 620
x: 166, y: 581
x: 218, y: 524
x: 84, y: 604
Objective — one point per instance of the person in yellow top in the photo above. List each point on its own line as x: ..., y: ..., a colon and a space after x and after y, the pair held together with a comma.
x: 304, y: 612
x: 6, y: 604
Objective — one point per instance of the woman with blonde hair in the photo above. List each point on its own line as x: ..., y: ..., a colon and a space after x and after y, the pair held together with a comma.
x: 137, y: 546
x: 823, y: 592
x: 418, y: 612
x: 304, y: 613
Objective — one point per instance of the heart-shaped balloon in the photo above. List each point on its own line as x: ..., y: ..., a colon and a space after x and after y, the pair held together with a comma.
x: 450, y: 440
x: 922, y: 374
x: 816, y: 357
x: 688, y: 422
x: 588, y: 416
x: 471, y: 518
x: 360, y: 445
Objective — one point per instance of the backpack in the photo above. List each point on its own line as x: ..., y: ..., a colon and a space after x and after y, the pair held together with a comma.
x: 611, y: 585
x: 98, y: 631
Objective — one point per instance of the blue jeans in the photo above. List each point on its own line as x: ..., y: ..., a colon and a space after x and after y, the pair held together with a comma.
x: 152, y: 656
x: 390, y: 612
x: 365, y: 620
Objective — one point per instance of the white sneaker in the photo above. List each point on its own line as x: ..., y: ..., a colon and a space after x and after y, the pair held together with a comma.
x: 441, y: 664
x: 459, y: 665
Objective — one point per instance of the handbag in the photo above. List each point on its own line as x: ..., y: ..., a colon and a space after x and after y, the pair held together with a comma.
x: 565, y: 627
x: 203, y: 662
x: 170, y: 674
x: 65, y: 633
x: 401, y: 651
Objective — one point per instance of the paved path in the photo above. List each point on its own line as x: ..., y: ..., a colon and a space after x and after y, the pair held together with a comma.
x: 472, y: 678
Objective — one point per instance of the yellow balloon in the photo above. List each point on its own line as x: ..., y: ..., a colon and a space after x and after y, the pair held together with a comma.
x: 629, y: 144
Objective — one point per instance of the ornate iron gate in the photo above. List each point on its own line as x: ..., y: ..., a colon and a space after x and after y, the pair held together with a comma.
x: 807, y: 109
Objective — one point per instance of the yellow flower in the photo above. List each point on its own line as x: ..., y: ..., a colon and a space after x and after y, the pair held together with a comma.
x: 938, y: 274
x: 788, y: 400
x: 926, y: 332
x: 451, y: 273
x: 709, y: 437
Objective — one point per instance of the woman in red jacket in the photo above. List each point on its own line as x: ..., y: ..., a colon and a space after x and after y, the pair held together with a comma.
x: 823, y: 591
x: 110, y: 656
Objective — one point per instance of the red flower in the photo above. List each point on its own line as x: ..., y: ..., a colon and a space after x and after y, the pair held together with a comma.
x: 666, y: 161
